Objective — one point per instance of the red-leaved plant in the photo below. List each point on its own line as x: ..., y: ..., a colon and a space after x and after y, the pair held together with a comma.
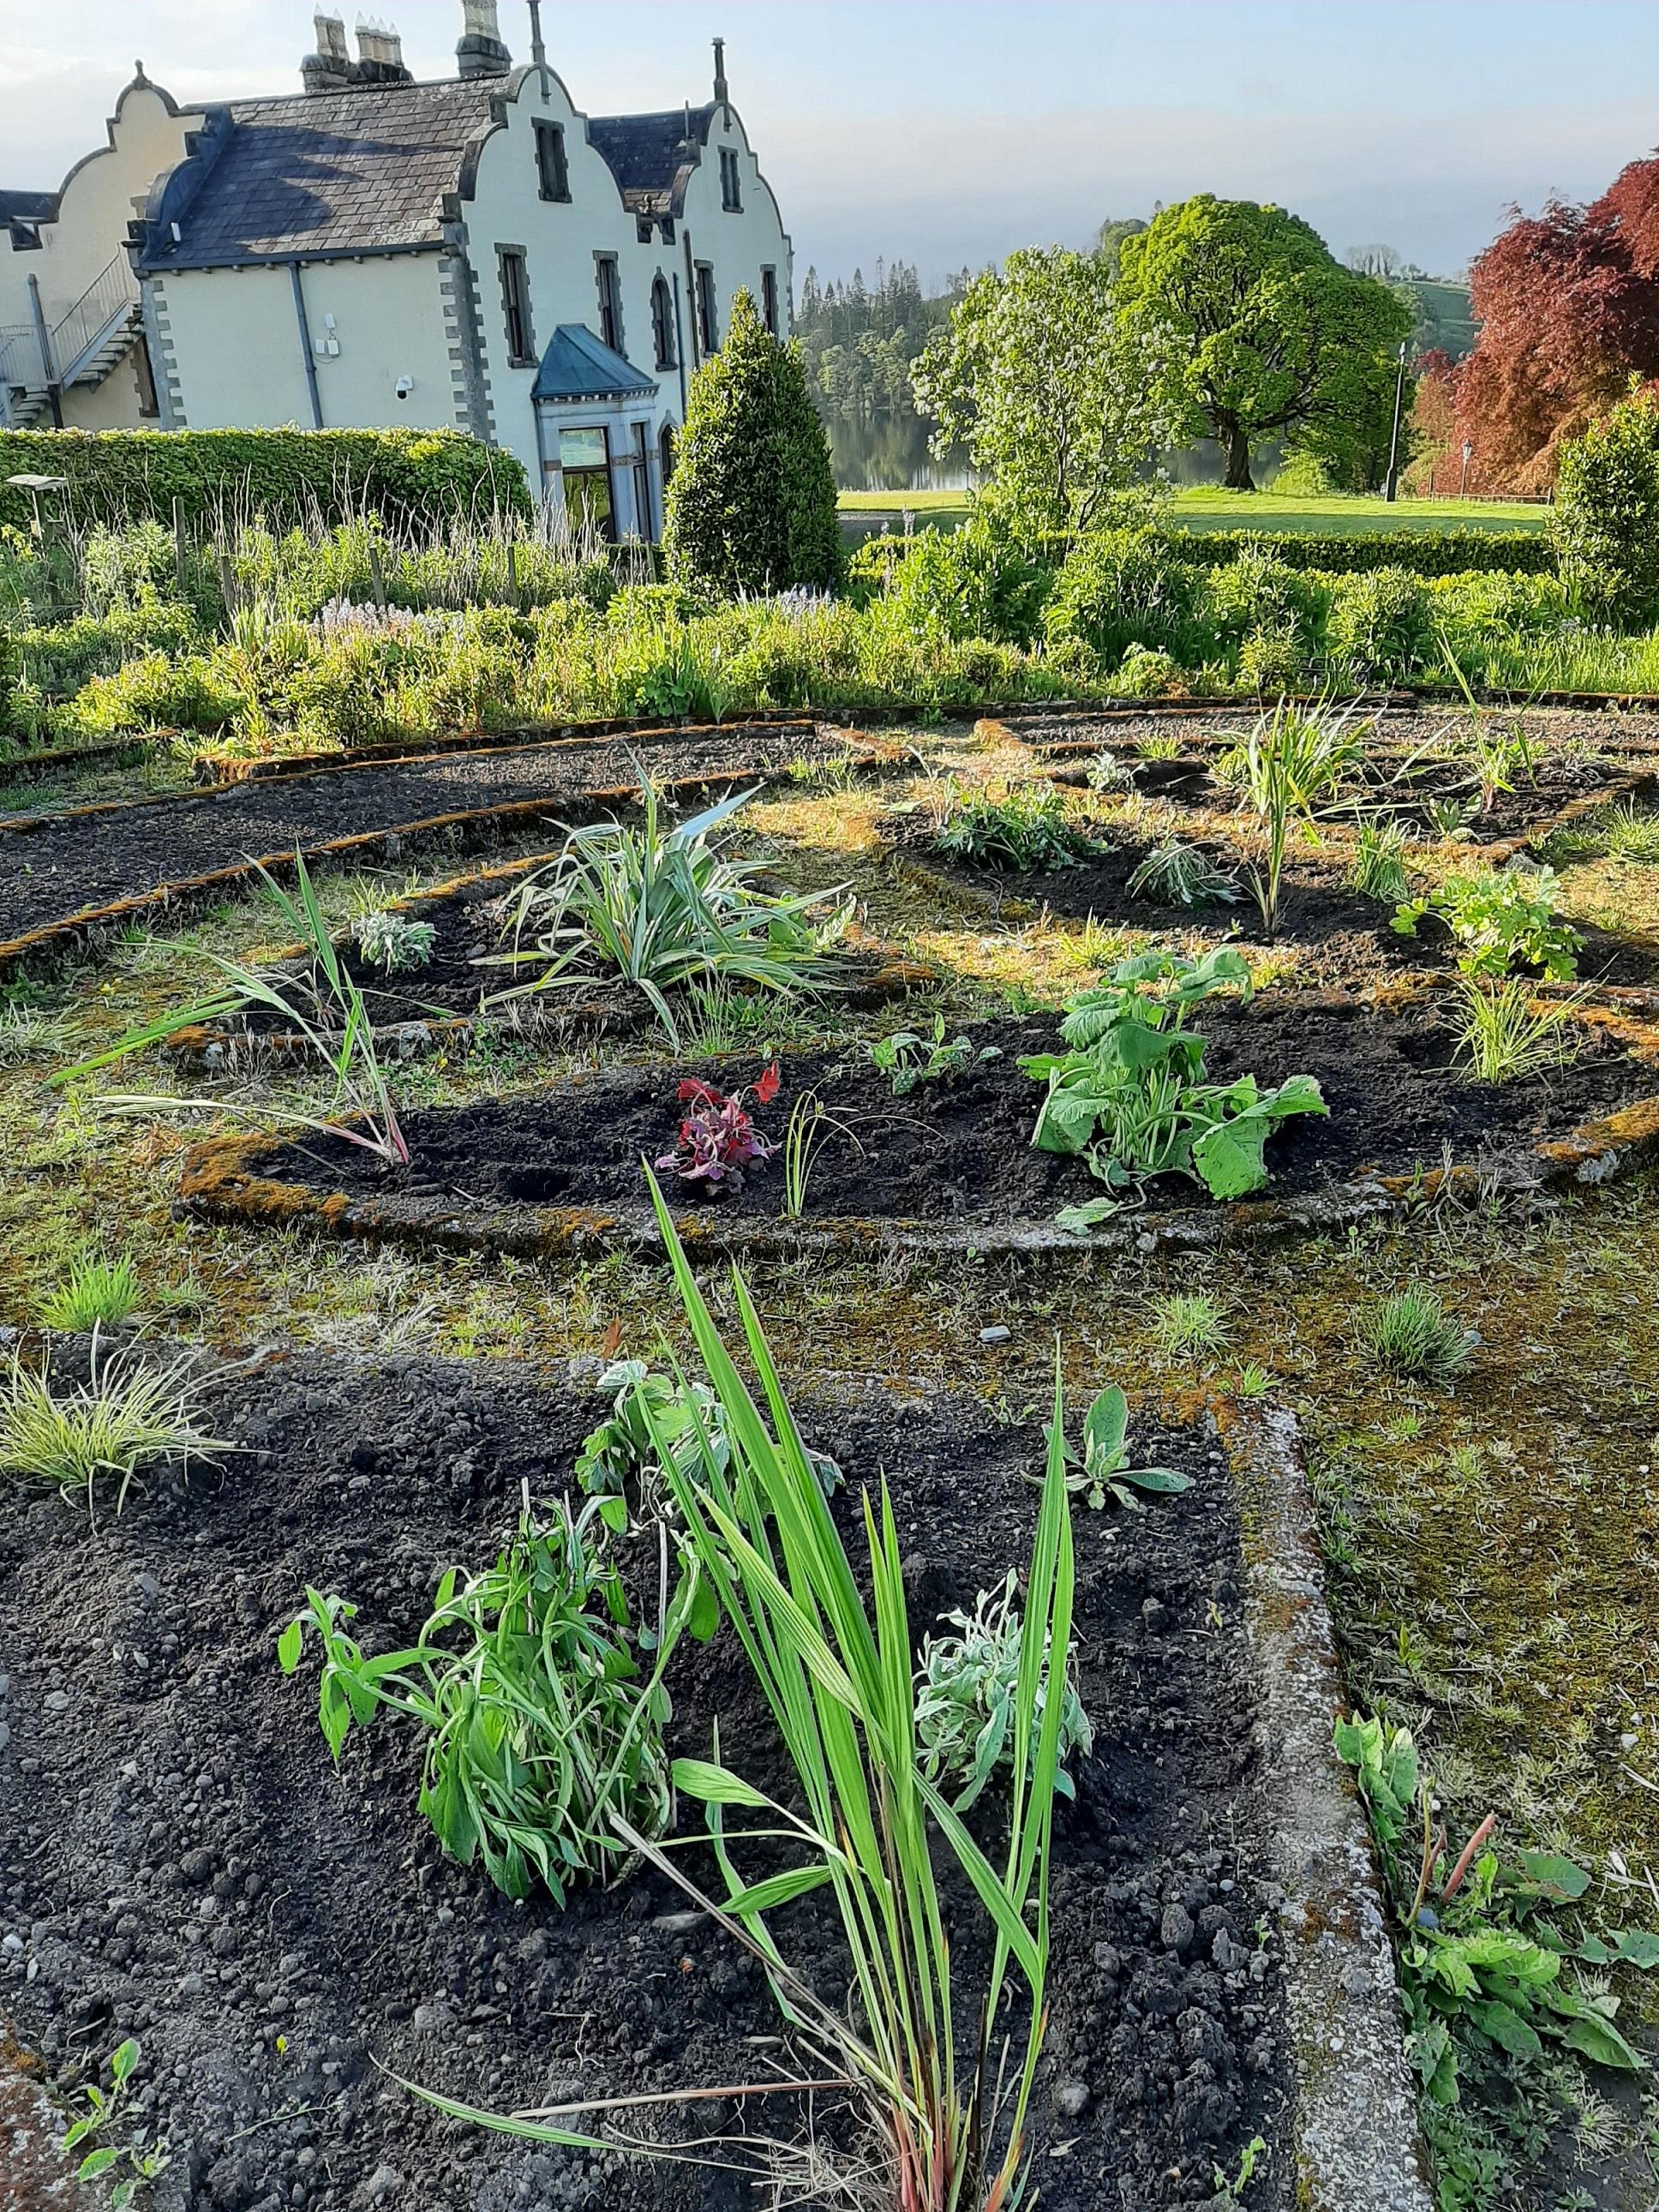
x: 718, y: 1139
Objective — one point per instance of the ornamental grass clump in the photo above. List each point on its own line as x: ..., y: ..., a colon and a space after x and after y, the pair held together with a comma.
x: 328, y: 1011
x: 944, y: 2102
x: 130, y: 1413
x: 1290, y: 770
x: 1410, y: 1333
x: 97, y: 1294
x: 663, y: 910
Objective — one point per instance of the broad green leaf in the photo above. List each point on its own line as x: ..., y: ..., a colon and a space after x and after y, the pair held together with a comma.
x: 97, y: 2162
x: 1637, y: 1948
x: 714, y: 1785
x: 777, y: 1889
x: 288, y: 1645
x: 1554, y: 1876
x: 1594, y: 2037
x: 1507, y: 2030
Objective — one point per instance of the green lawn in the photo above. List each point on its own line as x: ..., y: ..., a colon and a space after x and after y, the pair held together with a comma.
x: 1210, y: 508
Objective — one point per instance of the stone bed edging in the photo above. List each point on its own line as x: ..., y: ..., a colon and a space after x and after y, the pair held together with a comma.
x: 219, y: 1182
x: 465, y: 828
x: 1355, y: 2128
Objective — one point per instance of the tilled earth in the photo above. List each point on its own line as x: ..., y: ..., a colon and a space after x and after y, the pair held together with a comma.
x: 959, y: 1147
x: 179, y: 1860
x: 54, y: 867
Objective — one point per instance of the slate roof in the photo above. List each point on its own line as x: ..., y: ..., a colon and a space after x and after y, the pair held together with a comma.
x: 579, y: 366
x: 648, y: 155
x: 330, y: 173
x: 28, y: 207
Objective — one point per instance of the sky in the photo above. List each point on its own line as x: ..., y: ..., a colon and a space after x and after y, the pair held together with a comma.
x: 945, y: 132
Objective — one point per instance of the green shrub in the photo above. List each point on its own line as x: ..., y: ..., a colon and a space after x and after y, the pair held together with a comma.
x: 286, y: 475
x: 1478, y: 612
x: 156, y: 693
x: 1425, y: 552
x: 1606, y: 513
x: 1379, y: 626
x: 751, y: 507
x: 1500, y: 919
x: 977, y: 581
x: 1123, y: 587
x: 60, y: 660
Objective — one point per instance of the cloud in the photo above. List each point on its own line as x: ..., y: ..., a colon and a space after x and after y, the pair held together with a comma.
x: 948, y: 190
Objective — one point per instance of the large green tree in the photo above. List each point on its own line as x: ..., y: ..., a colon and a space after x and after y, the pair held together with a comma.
x: 1058, y: 403
x: 751, y: 505
x: 1265, y: 331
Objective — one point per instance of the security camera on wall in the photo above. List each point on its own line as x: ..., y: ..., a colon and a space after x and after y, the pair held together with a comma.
x: 404, y: 386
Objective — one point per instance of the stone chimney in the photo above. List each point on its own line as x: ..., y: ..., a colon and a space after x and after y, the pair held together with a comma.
x: 379, y: 54
x: 480, y: 51
x: 329, y: 69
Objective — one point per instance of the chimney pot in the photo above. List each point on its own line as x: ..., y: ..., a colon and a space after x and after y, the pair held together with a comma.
x: 481, y: 50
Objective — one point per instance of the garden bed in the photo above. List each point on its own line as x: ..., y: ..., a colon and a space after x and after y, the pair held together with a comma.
x: 69, y: 876
x: 952, y: 1163
x: 183, y: 1865
x: 1335, y: 936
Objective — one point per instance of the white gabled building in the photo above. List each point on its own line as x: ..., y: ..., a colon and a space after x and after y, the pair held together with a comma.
x: 473, y: 253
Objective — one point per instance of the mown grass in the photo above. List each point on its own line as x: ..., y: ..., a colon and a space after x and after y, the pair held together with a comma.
x: 1209, y: 507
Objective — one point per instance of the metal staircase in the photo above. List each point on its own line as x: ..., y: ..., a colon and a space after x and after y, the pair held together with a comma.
x: 81, y: 348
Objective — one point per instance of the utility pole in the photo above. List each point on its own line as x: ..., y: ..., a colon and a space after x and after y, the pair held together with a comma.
x: 1393, y: 487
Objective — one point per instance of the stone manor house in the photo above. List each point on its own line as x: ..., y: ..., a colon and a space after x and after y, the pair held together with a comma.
x: 473, y: 253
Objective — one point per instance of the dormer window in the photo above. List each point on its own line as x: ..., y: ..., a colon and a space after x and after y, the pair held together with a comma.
x: 662, y: 322
x: 552, y: 171
x: 731, y: 190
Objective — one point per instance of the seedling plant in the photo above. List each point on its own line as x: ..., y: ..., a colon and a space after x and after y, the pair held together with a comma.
x: 394, y: 942
x: 1505, y: 1034
x: 967, y: 1685
x: 1100, y: 1470
x: 718, y: 1139
x: 1129, y: 1096
x: 124, y: 2168
x: 912, y: 1057
x: 540, y: 1734
x: 98, y: 1293
x: 1500, y: 920
x: 1289, y: 769
x: 651, y: 1414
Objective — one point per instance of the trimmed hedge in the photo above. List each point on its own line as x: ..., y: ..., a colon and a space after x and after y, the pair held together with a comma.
x: 288, y: 475
x: 1425, y: 552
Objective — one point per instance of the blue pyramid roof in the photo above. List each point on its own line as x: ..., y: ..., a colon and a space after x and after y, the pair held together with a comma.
x: 579, y: 366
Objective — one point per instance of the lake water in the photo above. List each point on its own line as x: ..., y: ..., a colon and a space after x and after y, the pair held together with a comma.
x: 891, y: 456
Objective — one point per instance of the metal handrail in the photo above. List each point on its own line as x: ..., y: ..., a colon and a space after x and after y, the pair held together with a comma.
x: 113, y: 292
x: 21, y: 366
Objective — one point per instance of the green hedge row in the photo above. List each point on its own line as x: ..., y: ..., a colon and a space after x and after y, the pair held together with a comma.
x: 288, y: 475
x: 1425, y: 552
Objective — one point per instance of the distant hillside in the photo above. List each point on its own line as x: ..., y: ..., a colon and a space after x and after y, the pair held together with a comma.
x: 1443, y: 319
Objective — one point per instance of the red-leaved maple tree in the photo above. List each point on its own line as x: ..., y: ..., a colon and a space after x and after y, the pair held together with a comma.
x: 1568, y: 305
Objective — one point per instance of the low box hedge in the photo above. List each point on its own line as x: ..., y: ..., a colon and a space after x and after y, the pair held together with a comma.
x: 289, y: 476
x: 1425, y: 552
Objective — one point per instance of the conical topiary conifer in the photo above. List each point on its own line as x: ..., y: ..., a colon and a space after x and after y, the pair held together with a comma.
x: 751, y: 506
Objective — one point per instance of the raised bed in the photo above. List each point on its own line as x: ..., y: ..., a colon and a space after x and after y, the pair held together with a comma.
x: 951, y: 1166
x: 95, y: 855
x: 183, y: 1863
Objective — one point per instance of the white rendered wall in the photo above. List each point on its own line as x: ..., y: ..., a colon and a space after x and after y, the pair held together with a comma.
x: 102, y: 194
x: 232, y: 339
x: 737, y: 246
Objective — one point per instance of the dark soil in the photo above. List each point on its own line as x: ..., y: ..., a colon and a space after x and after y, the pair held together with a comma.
x: 1337, y: 936
x: 1402, y: 728
x: 56, y: 867
x: 179, y: 1860
x: 959, y: 1148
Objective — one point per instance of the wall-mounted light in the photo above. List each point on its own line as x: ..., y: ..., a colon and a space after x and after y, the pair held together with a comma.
x: 404, y: 386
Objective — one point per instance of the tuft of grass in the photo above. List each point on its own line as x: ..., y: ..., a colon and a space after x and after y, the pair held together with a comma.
x: 98, y: 1293
x: 1187, y: 1323
x: 27, y: 1033
x: 1410, y: 1333
x: 1378, y: 870
x: 1178, y: 874
x: 1632, y: 831
x: 129, y: 1413
x: 1505, y: 1034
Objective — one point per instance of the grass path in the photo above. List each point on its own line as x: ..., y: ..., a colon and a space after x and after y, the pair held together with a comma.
x: 1211, y: 508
